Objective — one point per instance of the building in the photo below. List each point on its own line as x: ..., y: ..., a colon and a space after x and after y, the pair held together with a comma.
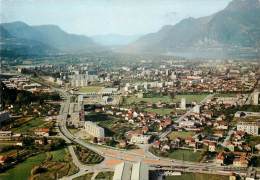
x: 212, y: 147
x: 249, y: 127
x: 127, y: 171
x: 255, y: 98
x: 6, y: 135
x: 140, y: 139
x: 42, y: 132
x: 79, y: 80
x: 94, y: 130
x: 183, y: 103
x: 4, y: 116
x: 196, y: 109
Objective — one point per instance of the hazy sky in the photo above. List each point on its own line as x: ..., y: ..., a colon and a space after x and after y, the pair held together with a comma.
x: 92, y: 17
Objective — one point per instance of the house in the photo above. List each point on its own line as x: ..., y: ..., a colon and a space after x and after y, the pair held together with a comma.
x: 219, y: 133
x: 3, y: 159
x: 122, y: 143
x: 165, y: 148
x: 220, y: 158
x: 221, y: 125
x: 192, y: 143
x: 212, y: 147
x: 157, y: 144
x: 140, y: 139
x: 241, y: 161
x: 42, y: 132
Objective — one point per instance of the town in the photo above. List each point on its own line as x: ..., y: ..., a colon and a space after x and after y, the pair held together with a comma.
x: 147, y: 119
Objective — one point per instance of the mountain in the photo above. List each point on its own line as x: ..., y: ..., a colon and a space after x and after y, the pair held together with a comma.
x: 232, y: 31
x: 21, y: 39
x: 115, y: 39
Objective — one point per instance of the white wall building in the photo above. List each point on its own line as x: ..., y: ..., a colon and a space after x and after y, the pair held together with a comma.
x: 255, y: 98
x: 94, y: 130
x: 249, y: 127
x: 183, y: 103
x: 196, y: 109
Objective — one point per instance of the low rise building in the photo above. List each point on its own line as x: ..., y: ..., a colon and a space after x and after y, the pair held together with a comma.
x: 5, y: 135
x: 140, y: 139
x: 42, y: 132
x: 94, y: 130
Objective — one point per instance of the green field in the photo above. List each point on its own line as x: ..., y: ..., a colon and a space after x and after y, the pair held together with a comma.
x: 90, y: 89
x: 22, y: 171
x: 58, y: 155
x: 186, y: 155
x: 161, y: 111
x: 180, y: 134
x: 56, y: 162
x: 29, y: 125
x: 167, y: 99
x: 197, y: 176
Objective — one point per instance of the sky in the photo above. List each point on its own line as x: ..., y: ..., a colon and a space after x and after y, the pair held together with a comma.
x: 99, y: 17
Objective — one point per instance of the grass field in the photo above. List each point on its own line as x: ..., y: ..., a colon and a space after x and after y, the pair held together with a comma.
x: 167, y: 99
x: 186, y: 155
x: 23, y: 170
x: 29, y: 125
x: 58, y: 155
x: 181, y: 134
x: 161, y: 111
x: 197, y: 176
x: 55, y: 162
x: 90, y: 89
x: 58, y: 164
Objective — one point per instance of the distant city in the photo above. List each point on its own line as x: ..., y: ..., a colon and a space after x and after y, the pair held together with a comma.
x: 181, y: 103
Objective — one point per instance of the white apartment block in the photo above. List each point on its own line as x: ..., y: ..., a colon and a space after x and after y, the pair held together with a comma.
x: 94, y: 130
x: 249, y: 127
x: 255, y: 98
x: 183, y: 104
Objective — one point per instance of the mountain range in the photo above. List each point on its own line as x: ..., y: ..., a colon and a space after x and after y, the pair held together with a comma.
x: 232, y: 31
x: 18, y: 38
